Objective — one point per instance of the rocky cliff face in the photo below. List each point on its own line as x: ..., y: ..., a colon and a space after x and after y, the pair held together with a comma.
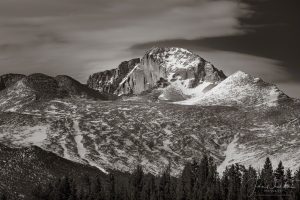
x: 109, y: 80
x: 175, y: 67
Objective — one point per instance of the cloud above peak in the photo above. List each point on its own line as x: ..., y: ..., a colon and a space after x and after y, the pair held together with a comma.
x: 81, y: 37
x: 78, y: 38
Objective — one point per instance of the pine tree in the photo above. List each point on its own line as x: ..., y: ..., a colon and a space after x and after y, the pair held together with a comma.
x: 138, y: 176
x: 234, y: 182
x: 153, y: 189
x: 3, y: 197
x: 112, y: 191
x: 186, y: 183
x: 73, y: 190
x: 49, y: 189
x: 164, y: 191
x: 81, y: 195
x: 149, y: 191
x: 201, y: 173
x: 65, y: 188
x: 196, y: 192
x: 37, y: 192
x: 88, y: 183
x: 96, y: 189
x: 212, y: 181
x: 225, y: 183
x: 279, y: 175
x: 297, y: 184
x: 249, y: 178
x: 288, y: 178
x: 204, y: 169
x: 267, y: 174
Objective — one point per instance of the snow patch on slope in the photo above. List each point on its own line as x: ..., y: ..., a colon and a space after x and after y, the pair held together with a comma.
x: 127, y: 76
x: 180, y: 89
x: 27, y: 135
x: 78, y: 139
x: 234, y: 155
x: 82, y: 151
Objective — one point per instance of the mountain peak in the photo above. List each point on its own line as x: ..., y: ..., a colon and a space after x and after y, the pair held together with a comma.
x: 175, y: 67
x: 155, y: 50
x: 173, y: 58
x: 240, y: 89
x: 240, y: 74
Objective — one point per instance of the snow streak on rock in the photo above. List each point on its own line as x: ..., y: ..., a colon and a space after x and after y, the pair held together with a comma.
x: 78, y: 139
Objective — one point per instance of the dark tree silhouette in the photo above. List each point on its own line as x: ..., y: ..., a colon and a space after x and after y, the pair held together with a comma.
x: 198, y: 181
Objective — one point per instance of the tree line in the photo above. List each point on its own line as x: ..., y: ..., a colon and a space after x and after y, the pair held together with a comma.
x: 198, y: 181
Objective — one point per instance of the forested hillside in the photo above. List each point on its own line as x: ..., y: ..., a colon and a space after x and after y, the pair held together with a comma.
x: 199, y: 180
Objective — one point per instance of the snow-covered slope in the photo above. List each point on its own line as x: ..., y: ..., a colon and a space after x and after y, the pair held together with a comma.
x: 121, y: 134
x: 240, y: 89
x: 16, y: 96
x: 117, y: 135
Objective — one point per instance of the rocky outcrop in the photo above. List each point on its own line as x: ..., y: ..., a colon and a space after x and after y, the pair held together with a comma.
x: 74, y: 88
x: 178, y: 67
x: 109, y: 80
x: 7, y: 80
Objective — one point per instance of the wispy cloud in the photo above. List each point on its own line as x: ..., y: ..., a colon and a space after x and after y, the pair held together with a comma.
x: 82, y: 37
x: 78, y: 38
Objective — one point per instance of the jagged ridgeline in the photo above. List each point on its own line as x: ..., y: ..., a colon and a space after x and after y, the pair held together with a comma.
x: 45, y: 87
x: 172, y: 106
x: 178, y: 70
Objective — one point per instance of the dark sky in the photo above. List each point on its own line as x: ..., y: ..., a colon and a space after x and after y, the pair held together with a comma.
x: 80, y: 37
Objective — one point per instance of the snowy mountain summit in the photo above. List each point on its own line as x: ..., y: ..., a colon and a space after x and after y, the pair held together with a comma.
x: 177, y: 73
x: 240, y: 89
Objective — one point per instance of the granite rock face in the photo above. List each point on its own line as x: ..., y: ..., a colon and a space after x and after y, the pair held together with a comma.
x: 176, y: 67
x: 109, y: 80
